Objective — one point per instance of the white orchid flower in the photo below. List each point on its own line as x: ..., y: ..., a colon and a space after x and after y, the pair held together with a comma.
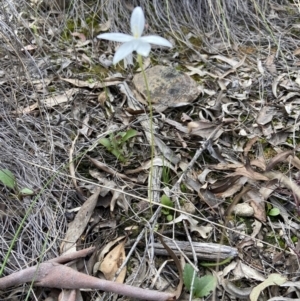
x: 135, y: 42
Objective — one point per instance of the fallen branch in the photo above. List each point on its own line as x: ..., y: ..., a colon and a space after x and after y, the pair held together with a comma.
x: 54, y: 275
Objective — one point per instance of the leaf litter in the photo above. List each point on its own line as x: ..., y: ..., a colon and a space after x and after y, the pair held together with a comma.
x: 231, y: 152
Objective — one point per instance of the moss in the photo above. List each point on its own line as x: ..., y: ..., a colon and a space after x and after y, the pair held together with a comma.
x: 185, y: 30
x: 89, y: 28
x: 98, y: 71
x: 71, y: 26
x: 269, y: 152
x: 195, y: 41
x: 51, y: 89
x: 183, y: 188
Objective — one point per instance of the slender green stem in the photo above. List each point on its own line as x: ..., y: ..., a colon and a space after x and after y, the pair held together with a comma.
x: 150, y: 183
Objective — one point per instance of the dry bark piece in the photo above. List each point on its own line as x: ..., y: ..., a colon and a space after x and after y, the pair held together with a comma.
x: 204, y: 251
x: 168, y: 87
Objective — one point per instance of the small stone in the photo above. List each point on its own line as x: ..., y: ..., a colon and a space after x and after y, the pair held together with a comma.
x: 168, y: 87
x: 243, y: 210
x: 189, y: 207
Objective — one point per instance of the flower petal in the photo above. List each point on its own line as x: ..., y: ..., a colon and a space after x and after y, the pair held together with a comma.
x: 123, y: 51
x: 117, y: 37
x: 137, y: 22
x: 129, y: 59
x: 157, y: 40
x: 142, y: 47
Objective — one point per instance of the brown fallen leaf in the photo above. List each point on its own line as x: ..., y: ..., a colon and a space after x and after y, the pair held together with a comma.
x: 204, y: 231
x: 259, y: 162
x: 157, y: 161
x: 281, y: 157
x: 112, y: 261
x: 223, y: 185
x: 236, y: 200
x: 266, y: 115
x: 291, y: 159
x: 249, y: 173
x: 284, y: 180
x: 178, y: 265
x: 204, y: 129
x: 296, y: 51
x: 58, y: 99
x: 234, y: 67
x: 257, y: 203
x: 110, y: 170
x: 69, y: 295
x: 49, y: 102
x: 92, y: 85
x: 276, y: 82
x: 271, y: 67
x: 77, y: 227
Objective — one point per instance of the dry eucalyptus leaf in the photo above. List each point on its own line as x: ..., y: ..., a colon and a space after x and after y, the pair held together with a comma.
x: 225, y: 59
x: 112, y: 262
x: 234, y: 290
x: 276, y: 82
x: 249, y: 173
x: 285, y: 181
x: 204, y: 231
x: 244, y: 271
x: 92, y: 85
x: 104, y: 26
x: 77, y: 227
x: 281, y: 157
x: 273, y: 279
x: 266, y: 115
x: 119, y: 197
x: 49, y: 102
x: 157, y: 161
x: 204, y: 129
x: 257, y: 203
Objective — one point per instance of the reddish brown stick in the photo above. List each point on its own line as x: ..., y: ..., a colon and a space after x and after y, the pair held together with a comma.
x: 54, y: 275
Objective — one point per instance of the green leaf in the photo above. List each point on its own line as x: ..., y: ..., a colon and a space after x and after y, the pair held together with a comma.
x: 119, y: 156
x: 8, y: 179
x: 169, y: 218
x: 274, y: 212
x: 26, y: 191
x: 188, y: 273
x: 105, y: 142
x: 165, y: 211
x: 204, y: 285
x: 269, y: 207
x: 165, y: 200
x: 129, y: 134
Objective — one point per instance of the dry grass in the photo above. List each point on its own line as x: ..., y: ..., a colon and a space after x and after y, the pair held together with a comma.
x: 36, y: 145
